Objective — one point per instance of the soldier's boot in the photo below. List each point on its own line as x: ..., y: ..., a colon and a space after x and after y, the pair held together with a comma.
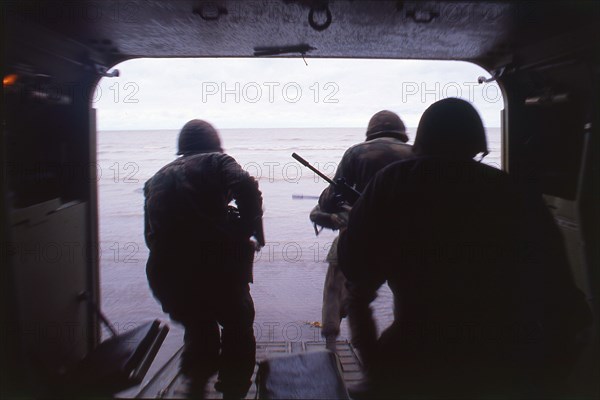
x: 331, y: 343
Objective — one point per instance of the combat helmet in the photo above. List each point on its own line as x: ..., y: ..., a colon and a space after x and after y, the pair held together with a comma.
x: 386, y: 124
x: 198, y: 136
x: 451, y: 127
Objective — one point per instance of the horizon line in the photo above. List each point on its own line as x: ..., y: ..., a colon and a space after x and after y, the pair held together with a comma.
x: 285, y: 127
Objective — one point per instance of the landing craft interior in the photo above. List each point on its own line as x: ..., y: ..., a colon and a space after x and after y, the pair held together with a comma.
x: 544, y: 56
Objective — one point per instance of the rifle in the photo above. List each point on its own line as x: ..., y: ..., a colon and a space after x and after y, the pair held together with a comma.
x: 346, y: 192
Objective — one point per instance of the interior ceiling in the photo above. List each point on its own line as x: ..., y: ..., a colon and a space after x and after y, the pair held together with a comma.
x: 482, y: 32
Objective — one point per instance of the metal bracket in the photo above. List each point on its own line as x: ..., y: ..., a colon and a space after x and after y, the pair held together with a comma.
x: 103, y: 71
x: 277, y: 50
x: 495, y: 75
x: 85, y: 296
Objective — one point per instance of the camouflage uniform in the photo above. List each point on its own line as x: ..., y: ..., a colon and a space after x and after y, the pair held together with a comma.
x: 358, y: 165
x: 334, y: 292
x: 200, y: 261
x: 361, y: 162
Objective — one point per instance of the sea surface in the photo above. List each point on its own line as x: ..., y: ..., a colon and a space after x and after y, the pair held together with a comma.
x: 289, y: 271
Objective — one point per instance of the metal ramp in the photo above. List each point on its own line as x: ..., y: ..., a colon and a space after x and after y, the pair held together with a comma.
x: 168, y: 383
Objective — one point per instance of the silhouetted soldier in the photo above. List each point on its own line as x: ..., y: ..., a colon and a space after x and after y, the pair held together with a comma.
x: 385, y: 143
x: 201, y: 256
x: 484, y: 303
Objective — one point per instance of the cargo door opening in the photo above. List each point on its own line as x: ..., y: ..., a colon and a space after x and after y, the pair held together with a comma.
x: 264, y: 109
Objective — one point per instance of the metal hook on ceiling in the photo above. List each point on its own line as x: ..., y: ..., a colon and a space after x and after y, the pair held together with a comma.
x: 422, y: 16
x: 210, y: 11
x: 311, y: 18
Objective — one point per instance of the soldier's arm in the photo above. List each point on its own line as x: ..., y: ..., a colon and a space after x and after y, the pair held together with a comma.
x: 243, y: 187
x: 332, y: 221
x: 148, y: 234
x: 358, y: 251
x: 327, y: 200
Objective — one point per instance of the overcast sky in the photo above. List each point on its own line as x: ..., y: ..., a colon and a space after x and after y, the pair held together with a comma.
x: 275, y: 92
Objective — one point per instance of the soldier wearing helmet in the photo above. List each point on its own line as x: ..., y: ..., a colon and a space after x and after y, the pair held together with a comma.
x: 200, y: 261
x: 385, y: 143
x: 198, y: 136
x: 484, y: 304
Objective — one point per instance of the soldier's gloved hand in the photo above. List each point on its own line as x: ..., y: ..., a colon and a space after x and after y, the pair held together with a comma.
x: 255, y: 245
x: 339, y: 220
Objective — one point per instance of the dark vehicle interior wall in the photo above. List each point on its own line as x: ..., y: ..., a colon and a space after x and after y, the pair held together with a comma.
x: 544, y: 55
x: 49, y: 189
